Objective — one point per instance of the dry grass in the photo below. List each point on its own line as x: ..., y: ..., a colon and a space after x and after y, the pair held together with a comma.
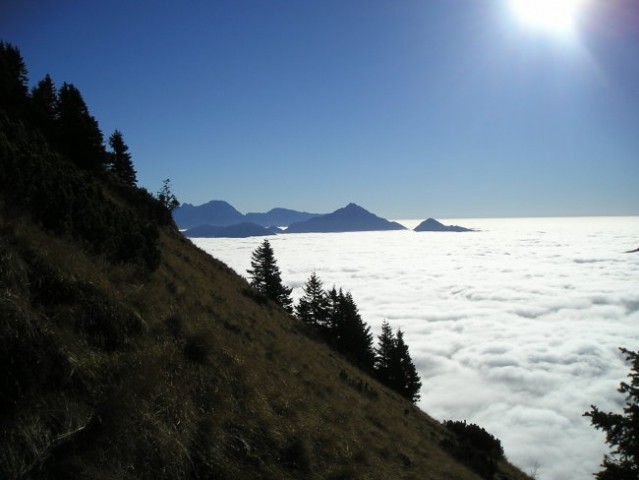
x: 183, y: 374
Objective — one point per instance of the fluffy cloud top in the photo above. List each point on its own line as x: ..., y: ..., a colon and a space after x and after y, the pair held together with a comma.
x: 515, y: 327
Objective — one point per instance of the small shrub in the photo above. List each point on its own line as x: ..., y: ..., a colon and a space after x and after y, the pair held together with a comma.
x: 358, y: 384
x: 406, y: 461
x: 175, y: 324
x: 197, y: 348
x: 295, y: 456
x: 474, y: 447
x: 256, y: 296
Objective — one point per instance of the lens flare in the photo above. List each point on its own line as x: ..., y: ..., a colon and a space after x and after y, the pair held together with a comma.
x: 556, y: 16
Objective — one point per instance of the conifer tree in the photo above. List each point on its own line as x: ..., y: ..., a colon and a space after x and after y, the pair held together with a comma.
x: 13, y: 80
x: 385, y: 355
x: 44, y: 107
x: 120, y: 159
x: 394, y: 366
x: 266, y: 277
x: 333, y: 309
x: 408, y: 381
x: 354, y: 337
x: 622, y: 430
x: 312, y: 308
x: 80, y: 138
x: 347, y: 332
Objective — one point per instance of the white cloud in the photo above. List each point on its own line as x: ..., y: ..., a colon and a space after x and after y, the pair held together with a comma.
x: 515, y: 328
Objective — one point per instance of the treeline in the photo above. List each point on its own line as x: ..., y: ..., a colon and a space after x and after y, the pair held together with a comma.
x: 334, y: 316
x: 55, y: 167
x: 62, y: 118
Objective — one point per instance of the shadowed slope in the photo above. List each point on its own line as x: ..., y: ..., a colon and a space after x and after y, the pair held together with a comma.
x: 184, y: 373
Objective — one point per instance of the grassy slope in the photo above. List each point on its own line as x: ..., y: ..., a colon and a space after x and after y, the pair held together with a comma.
x: 183, y: 373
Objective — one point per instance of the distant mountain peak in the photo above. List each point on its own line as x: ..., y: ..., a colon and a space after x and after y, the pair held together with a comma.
x: 222, y: 214
x: 351, y: 207
x: 432, y: 225
x: 240, y: 230
x: 215, y: 212
x: 351, y: 218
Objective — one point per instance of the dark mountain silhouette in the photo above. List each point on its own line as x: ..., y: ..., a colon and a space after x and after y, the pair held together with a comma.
x: 240, y: 230
x: 215, y: 212
x: 351, y: 218
x: 222, y: 214
x: 279, y: 217
x: 432, y: 225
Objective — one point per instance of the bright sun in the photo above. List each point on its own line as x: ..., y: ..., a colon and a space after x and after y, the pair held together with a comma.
x: 553, y: 16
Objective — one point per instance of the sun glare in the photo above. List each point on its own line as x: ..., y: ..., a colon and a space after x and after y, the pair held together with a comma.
x: 554, y: 16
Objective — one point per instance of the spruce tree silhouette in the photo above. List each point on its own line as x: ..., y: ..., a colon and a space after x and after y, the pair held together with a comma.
x: 349, y: 334
x: 622, y: 430
x: 80, y: 137
x: 408, y: 381
x: 44, y: 108
x: 13, y: 80
x: 384, y: 356
x: 394, y: 366
x: 120, y: 159
x: 267, y: 279
x: 312, y: 308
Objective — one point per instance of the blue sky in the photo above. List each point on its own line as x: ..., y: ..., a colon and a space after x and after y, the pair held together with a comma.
x: 445, y: 108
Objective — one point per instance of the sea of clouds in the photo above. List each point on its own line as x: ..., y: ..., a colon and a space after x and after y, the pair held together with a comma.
x: 515, y: 327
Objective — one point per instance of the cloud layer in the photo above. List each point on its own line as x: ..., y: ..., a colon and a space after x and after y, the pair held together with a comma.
x: 515, y: 328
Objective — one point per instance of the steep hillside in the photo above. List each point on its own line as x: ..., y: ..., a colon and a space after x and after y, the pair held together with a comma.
x: 128, y: 353
x: 183, y: 373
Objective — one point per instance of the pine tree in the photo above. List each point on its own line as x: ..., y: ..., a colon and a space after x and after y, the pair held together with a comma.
x: 622, y: 430
x: 394, y: 366
x: 120, y: 159
x: 334, y: 313
x: 13, y: 81
x: 266, y: 277
x: 385, y: 355
x: 408, y: 381
x: 44, y: 108
x: 347, y: 332
x: 80, y: 137
x: 312, y: 308
x: 354, y: 338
